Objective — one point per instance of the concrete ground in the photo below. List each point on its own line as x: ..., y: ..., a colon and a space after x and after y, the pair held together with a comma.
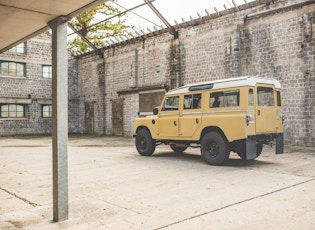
x: 112, y: 187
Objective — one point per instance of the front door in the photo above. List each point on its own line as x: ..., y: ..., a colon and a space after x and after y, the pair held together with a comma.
x: 117, y: 116
x: 89, y: 117
x: 168, y: 118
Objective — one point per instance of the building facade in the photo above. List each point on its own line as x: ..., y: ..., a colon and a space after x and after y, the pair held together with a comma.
x: 26, y: 89
x: 108, y: 88
x: 272, y: 39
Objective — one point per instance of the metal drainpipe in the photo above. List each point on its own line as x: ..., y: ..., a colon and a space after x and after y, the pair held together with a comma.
x: 104, y: 93
x: 180, y: 77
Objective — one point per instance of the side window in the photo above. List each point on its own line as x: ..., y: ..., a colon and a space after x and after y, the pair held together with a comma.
x: 12, y: 68
x: 192, y: 101
x: 250, y: 97
x: 46, y: 111
x: 12, y: 110
x: 265, y: 96
x: 171, y: 103
x: 18, y: 49
x: 229, y: 98
x: 47, y: 71
x: 278, y: 98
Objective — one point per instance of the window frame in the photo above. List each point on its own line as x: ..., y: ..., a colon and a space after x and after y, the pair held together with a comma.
x: 19, y: 49
x: 224, y: 95
x: 8, y: 68
x: 49, y: 111
x: 47, y: 72
x: 175, y: 99
x: 265, y: 96
x: 194, y: 101
x: 10, y: 110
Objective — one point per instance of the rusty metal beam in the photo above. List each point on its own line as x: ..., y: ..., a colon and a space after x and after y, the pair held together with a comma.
x: 170, y: 28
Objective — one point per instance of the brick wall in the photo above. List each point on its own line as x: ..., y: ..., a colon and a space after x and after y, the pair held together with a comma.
x: 33, y: 90
x: 267, y: 38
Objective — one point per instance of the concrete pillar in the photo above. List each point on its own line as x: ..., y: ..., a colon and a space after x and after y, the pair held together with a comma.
x: 60, y: 118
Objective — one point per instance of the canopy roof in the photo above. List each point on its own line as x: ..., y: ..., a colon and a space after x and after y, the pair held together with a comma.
x: 21, y: 20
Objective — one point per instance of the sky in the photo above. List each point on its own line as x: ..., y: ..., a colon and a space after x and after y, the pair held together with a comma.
x: 172, y: 10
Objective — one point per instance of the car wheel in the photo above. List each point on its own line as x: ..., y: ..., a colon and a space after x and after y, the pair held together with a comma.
x: 214, y: 148
x: 144, y: 143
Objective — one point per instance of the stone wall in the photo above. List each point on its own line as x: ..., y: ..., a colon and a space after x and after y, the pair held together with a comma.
x: 273, y: 39
x: 33, y: 90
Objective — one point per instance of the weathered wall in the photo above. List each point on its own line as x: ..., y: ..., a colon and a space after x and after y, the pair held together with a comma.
x: 270, y: 39
x: 33, y: 90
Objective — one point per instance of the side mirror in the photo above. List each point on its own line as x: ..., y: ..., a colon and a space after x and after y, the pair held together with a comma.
x: 156, y: 111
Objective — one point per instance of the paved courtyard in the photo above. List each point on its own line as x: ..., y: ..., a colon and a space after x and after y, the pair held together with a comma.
x: 112, y: 187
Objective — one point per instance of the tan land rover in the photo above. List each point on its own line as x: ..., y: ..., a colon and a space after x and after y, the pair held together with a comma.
x: 237, y: 114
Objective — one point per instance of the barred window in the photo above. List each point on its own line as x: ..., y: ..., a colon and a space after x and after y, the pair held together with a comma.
x: 47, y: 71
x: 12, y: 110
x: 46, y: 111
x: 12, y: 68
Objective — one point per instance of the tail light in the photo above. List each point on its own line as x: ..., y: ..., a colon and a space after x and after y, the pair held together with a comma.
x: 282, y: 117
x: 248, y: 118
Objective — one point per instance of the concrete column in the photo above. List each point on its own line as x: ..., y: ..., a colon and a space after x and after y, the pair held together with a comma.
x: 60, y: 118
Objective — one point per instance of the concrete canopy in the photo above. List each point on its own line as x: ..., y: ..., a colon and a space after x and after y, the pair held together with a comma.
x: 21, y: 20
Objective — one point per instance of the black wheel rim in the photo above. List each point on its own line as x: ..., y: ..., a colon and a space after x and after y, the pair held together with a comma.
x: 213, y: 149
x: 143, y: 143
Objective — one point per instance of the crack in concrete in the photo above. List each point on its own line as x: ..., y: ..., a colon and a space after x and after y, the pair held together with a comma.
x: 20, y: 198
x: 236, y: 203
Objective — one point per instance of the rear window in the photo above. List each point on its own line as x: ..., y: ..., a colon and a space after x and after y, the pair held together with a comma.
x: 265, y: 96
x: 229, y: 98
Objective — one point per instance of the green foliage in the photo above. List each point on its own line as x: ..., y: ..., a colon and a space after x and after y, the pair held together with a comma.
x: 97, y: 33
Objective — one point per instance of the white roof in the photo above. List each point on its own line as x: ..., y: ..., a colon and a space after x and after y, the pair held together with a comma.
x: 229, y: 82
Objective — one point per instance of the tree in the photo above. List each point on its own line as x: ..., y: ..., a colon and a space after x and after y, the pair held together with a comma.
x: 96, y: 34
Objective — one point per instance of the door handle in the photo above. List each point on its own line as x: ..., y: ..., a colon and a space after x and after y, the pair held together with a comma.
x: 197, y: 120
x: 175, y: 123
x: 258, y: 112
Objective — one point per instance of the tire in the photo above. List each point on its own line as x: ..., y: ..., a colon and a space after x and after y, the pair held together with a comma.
x: 144, y: 143
x: 259, y: 148
x: 178, y: 149
x: 214, y: 148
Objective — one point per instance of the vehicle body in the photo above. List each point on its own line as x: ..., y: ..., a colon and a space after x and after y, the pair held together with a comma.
x: 237, y: 114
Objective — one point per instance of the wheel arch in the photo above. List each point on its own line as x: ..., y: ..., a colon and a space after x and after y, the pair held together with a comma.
x: 143, y: 127
x: 213, y: 129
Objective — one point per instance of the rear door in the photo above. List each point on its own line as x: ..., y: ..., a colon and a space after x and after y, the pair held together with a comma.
x: 266, y: 110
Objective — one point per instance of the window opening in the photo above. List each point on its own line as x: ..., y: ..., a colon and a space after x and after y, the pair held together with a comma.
x: 225, y: 99
x: 171, y: 103
x: 192, y: 101
x: 12, y: 110
x: 265, y: 96
x: 46, y: 111
x: 12, y: 68
x: 47, y: 71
